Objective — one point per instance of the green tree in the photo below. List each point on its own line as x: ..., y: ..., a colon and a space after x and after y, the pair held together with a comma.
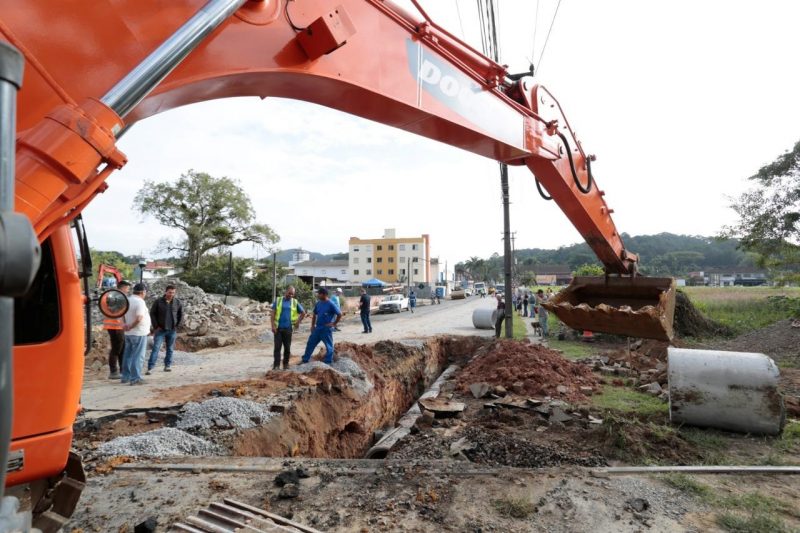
x: 769, y: 213
x: 212, y: 274
x: 589, y: 269
x: 115, y: 259
x: 213, y: 213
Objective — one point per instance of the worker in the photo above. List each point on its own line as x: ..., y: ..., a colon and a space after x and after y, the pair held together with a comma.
x: 364, y: 306
x: 501, y: 315
x: 541, y: 298
x: 116, y: 334
x: 525, y: 302
x: 166, y: 315
x: 287, y: 313
x: 325, y: 318
x: 412, y: 300
x: 137, y: 328
x: 338, y: 298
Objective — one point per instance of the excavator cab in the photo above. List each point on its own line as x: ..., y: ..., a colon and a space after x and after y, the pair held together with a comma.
x: 632, y: 306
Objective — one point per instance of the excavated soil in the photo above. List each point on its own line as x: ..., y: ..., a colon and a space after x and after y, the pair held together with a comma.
x: 780, y: 341
x: 690, y: 322
x: 529, y: 369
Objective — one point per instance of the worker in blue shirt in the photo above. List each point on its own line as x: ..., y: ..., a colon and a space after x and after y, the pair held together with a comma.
x: 287, y: 313
x: 325, y: 318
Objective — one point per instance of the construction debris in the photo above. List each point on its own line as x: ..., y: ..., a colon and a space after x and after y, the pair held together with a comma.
x: 223, y: 412
x: 159, y: 443
x: 441, y: 408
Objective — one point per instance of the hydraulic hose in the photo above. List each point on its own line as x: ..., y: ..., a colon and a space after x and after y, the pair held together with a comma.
x: 584, y: 190
x: 541, y: 191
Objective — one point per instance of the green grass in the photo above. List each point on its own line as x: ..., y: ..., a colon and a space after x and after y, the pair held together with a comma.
x: 627, y: 401
x: 752, y: 512
x: 745, y: 309
x: 790, y: 439
x: 711, y: 446
x: 514, y: 507
x: 520, y: 330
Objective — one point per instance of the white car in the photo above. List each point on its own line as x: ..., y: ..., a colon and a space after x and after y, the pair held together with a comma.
x: 394, y: 303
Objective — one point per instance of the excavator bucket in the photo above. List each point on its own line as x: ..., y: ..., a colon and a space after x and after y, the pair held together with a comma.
x: 634, y: 307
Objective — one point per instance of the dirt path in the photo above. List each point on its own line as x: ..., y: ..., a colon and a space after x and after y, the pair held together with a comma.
x: 250, y: 361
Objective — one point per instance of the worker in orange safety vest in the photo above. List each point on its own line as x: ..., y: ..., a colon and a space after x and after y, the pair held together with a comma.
x: 116, y: 333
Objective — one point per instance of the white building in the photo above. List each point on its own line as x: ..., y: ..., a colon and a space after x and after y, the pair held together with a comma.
x: 316, y: 271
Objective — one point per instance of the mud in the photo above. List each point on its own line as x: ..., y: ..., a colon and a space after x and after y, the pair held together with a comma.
x: 527, y: 369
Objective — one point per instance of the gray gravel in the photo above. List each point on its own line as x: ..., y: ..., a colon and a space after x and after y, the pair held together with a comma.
x: 223, y: 413
x: 159, y: 443
x: 356, y: 377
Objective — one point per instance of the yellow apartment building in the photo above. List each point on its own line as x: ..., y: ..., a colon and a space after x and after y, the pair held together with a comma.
x: 390, y: 259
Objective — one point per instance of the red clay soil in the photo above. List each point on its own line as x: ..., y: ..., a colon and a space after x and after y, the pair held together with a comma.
x: 527, y: 369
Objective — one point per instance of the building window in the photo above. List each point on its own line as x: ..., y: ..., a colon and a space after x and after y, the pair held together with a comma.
x: 355, y: 272
x: 369, y: 272
x: 391, y: 272
x: 402, y: 271
x: 368, y: 248
x: 369, y: 260
x: 402, y: 259
x: 355, y: 248
x: 416, y: 271
x: 325, y: 271
x: 343, y: 271
x: 355, y: 260
x: 380, y: 260
x: 305, y: 271
x: 380, y: 247
x: 391, y: 259
x: 391, y: 246
x: 380, y: 272
x: 413, y: 246
x: 415, y: 260
x: 402, y: 247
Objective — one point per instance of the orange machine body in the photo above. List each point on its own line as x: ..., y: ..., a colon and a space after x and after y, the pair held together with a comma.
x: 375, y: 61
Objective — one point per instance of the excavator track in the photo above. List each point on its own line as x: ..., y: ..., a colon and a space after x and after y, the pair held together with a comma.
x: 232, y: 516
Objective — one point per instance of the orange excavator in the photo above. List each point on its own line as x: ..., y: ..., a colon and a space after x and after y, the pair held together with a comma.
x: 92, y: 72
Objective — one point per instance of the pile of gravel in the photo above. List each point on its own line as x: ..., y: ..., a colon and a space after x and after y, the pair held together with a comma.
x: 356, y: 377
x: 222, y: 413
x: 159, y: 443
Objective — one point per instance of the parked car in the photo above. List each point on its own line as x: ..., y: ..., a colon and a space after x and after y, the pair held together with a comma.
x: 394, y: 303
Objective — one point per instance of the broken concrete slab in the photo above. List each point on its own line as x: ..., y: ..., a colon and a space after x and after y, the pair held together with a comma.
x: 559, y: 415
x: 653, y: 388
x: 442, y: 408
x: 479, y: 390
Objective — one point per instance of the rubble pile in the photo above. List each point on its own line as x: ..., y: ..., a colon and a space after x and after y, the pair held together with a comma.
x: 222, y: 413
x: 646, y: 363
x: 529, y: 370
x: 159, y: 443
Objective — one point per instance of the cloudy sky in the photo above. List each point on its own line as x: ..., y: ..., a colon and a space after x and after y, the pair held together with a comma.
x: 681, y: 101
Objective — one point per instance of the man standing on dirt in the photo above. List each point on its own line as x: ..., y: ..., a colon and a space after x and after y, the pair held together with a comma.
x: 540, y: 299
x: 116, y: 334
x: 501, y: 315
x: 364, y: 305
x: 326, y: 317
x: 337, y: 298
x: 166, y: 315
x: 137, y: 328
x: 287, y: 313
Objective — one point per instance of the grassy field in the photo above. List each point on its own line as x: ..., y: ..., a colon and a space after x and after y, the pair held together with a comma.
x: 746, y: 308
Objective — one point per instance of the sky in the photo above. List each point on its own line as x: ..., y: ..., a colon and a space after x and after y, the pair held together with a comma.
x: 681, y: 101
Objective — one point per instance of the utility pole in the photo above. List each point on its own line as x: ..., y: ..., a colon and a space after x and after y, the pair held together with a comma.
x: 230, y: 276
x: 274, y: 276
x: 507, y: 260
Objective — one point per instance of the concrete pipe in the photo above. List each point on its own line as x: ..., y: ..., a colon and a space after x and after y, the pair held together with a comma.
x: 484, y: 318
x: 734, y: 391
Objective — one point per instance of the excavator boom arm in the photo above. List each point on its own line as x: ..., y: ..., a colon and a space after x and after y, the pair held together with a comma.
x: 367, y: 57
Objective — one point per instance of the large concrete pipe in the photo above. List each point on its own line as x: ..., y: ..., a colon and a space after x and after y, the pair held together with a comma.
x: 484, y: 318
x: 734, y: 391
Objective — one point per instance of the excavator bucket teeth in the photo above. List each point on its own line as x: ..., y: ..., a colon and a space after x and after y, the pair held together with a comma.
x: 634, y: 307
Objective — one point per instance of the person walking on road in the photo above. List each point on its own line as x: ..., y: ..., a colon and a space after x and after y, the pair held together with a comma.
x: 525, y: 302
x: 116, y: 334
x: 364, y: 305
x: 137, y: 328
x: 325, y: 318
x: 501, y: 315
x: 412, y: 300
x: 166, y: 316
x: 287, y: 313
x: 541, y: 298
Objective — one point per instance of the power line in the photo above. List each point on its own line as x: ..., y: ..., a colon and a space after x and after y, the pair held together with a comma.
x: 544, y: 47
x: 535, y: 27
x: 460, y: 23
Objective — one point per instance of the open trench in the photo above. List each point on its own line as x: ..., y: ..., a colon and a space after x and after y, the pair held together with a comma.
x: 334, y: 420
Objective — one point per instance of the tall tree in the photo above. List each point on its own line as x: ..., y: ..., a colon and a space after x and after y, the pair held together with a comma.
x: 213, y: 213
x: 769, y: 213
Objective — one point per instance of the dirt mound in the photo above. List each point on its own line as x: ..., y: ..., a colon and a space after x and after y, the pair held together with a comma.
x: 690, y: 322
x: 527, y: 369
x: 780, y: 341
